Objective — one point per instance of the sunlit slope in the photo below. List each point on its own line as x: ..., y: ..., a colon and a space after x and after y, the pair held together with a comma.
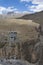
x: 35, y: 17
x: 25, y: 28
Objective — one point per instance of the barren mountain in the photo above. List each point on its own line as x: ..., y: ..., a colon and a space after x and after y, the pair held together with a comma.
x: 27, y: 38
x: 36, y: 17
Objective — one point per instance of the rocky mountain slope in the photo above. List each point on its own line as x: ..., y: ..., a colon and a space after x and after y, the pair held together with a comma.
x: 24, y: 46
x: 36, y: 17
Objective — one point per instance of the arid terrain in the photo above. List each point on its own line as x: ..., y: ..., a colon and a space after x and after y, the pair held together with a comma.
x: 26, y: 45
x: 24, y: 28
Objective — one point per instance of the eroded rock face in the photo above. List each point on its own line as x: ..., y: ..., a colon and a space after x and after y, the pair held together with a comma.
x: 29, y: 52
x: 24, y: 50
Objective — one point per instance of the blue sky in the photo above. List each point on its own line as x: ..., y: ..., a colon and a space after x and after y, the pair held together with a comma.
x: 21, y: 6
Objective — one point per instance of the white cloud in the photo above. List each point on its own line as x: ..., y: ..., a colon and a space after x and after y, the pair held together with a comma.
x: 11, y: 9
x: 26, y: 12
x: 33, y: 1
x: 38, y: 7
x: 34, y: 8
x: 2, y: 9
x: 22, y: 12
x: 37, y: 1
x: 5, y: 10
x: 17, y: 11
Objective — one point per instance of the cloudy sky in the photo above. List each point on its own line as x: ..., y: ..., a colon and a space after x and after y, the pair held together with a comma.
x: 21, y: 6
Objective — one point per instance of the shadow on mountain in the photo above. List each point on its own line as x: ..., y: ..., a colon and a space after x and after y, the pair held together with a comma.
x: 36, y: 17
